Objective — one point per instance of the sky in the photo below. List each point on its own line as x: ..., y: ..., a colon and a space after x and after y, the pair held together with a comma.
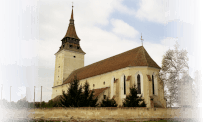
x: 31, y: 33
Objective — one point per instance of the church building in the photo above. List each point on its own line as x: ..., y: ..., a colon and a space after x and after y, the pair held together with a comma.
x: 111, y: 77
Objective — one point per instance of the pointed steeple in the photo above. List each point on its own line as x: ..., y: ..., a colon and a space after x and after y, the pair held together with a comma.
x: 71, y: 41
x: 71, y: 28
x: 71, y: 19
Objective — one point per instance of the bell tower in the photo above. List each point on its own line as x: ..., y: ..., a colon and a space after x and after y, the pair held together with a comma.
x: 69, y: 57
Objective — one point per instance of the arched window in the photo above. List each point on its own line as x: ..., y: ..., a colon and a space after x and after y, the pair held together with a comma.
x: 138, y: 84
x: 124, y: 84
x: 153, y: 85
x: 112, y: 87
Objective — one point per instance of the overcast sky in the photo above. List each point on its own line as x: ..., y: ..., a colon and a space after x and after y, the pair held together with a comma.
x: 32, y: 32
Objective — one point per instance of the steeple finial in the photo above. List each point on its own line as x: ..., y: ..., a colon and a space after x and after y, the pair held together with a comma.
x: 71, y: 19
x: 142, y: 39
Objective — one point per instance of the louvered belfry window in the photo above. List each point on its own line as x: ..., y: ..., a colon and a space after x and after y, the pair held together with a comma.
x: 138, y: 84
x: 153, y: 85
x: 124, y: 84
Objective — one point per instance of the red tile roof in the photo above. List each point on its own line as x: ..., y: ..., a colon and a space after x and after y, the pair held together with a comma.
x: 97, y: 92
x: 135, y: 57
x: 57, y: 98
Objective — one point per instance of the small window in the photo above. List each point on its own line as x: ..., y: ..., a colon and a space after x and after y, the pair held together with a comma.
x: 74, y: 56
x: 104, y: 96
x: 104, y: 82
x: 78, y: 47
x: 58, y: 76
x: 71, y: 45
x: 63, y: 46
x: 59, y: 67
x: 93, y: 85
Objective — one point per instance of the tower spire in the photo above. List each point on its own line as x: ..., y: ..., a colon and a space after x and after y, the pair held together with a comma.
x: 71, y: 19
x: 71, y: 28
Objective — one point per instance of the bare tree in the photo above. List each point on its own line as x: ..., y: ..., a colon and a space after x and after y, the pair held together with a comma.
x: 168, y: 98
x: 196, y: 88
x: 174, y: 64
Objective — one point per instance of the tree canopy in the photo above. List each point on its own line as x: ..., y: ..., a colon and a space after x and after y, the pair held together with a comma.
x: 132, y: 100
x: 174, y: 65
x: 78, y: 96
x: 108, y: 103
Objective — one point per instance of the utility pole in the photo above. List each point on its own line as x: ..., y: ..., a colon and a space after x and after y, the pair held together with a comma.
x: 10, y: 94
x: 1, y: 90
x: 41, y: 96
x: 34, y: 98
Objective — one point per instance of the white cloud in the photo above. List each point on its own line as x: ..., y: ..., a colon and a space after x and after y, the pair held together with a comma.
x: 123, y: 29
x: 182, y: 10
x: 94, y: 11
x: 151, y: 10
x: 124, y: 9
x: 164, y: 11
x: 169, y: 42
x: 100, y: 44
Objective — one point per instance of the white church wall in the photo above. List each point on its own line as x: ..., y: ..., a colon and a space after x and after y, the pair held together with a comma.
x: 99, y: 80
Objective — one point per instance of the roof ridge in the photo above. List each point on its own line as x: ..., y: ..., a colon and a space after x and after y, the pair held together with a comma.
x: 109, y: 57
x: 144, y: 55
x: 148, y: 56
x: 136, y: 55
